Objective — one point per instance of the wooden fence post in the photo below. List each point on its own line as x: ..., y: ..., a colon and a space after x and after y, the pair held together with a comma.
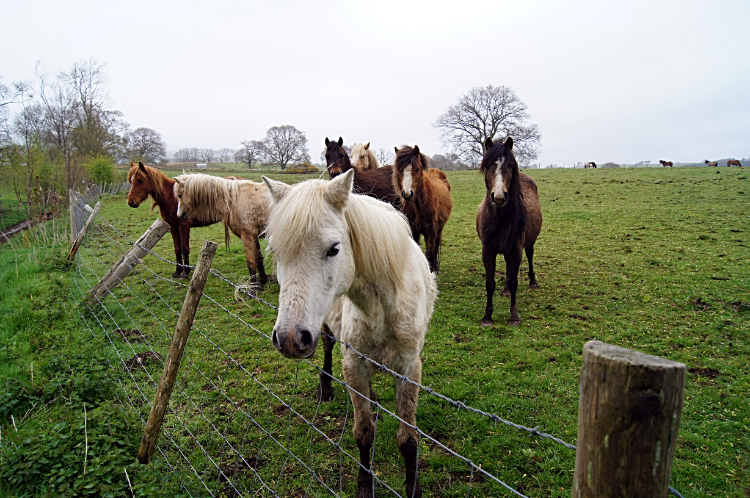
x: 79, y: 239
x: 125, y: 264
x: 172, y: 364
x: 72, y: 202
x: 628, y: 419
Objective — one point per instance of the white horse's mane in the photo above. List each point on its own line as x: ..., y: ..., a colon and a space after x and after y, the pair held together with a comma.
x: 377, y: 232
x: 359, y: 149
x: 207, y: 196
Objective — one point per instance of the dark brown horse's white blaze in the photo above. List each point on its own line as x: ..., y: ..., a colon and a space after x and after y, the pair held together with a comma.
x: 146, y: 182
x: 665, y: 163
x: 425, y: 199
x: 508, y: 222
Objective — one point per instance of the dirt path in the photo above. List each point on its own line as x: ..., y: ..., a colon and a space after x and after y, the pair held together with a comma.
x: 6, y: 234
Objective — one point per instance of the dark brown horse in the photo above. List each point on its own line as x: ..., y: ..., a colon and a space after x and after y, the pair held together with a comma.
x: 146, y: 181
x: 508, y: 221
x: 733, y: 162
x: 375, y: 183
x: 666, y: 163
x: 425, y: 199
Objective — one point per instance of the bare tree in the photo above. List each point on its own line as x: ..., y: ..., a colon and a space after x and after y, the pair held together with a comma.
x: 145, y: 144
x: 206, y: 155
x: 182, y: 156
x: 384, y: 156
x: 285, y: 144
x: 224, y: 154
x: 252, y: 151
x: 488, y: 112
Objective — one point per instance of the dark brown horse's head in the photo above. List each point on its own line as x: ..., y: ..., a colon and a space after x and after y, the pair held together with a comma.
x: 337, y: 160
x: 141, y: 185
x: 408, y: 171
x: 500, y: 171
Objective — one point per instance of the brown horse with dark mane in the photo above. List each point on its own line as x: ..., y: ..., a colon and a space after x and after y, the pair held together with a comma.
x: 146, y: 181
x: 666, y: 163
x: 375, y: 183
x: 425, y: 199
x: 508, y: 222
x: 733, y: 162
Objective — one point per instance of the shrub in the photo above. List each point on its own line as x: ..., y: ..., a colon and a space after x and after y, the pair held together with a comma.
x: 302, y: 168
x: 610, y: 165
x: 100, y: 169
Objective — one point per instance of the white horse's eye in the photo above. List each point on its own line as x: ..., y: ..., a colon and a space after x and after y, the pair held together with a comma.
x: 334, y: 250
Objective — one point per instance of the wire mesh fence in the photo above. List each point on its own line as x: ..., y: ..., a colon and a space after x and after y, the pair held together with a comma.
x: 243, y: 421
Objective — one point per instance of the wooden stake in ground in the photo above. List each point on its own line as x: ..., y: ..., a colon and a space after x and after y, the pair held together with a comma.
x: 125, y: 265
x: 72, y: 203
x: 628, y: 419
x: 172, y: 364
x: 79, y: 239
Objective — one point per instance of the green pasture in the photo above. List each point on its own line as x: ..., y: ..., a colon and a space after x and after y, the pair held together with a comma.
x: 650, y: 259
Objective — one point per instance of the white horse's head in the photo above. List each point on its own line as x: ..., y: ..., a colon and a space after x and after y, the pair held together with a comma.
x: 363, y: 158
x: 311, y: 243
x: 179, y: 193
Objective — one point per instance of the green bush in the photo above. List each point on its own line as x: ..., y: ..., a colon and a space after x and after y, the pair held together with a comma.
x: 100, y: 169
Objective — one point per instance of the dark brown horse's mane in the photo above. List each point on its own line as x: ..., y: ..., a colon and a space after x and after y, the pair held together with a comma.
x: 509, y: 221
x: 154, y: 176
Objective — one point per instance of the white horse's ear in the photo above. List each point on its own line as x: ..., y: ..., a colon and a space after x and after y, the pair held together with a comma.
x: 278, y: 189
x: 367, y: 147
x: 339, y: 189
x: 177, y: 180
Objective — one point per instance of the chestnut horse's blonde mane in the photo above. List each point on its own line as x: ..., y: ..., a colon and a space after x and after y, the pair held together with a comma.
x: 153, y: 176
x: 377, y: 232
x: 358, y: 150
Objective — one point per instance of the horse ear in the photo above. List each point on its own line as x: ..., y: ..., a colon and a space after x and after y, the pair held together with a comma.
x: 132, y: 164
x: 509, y: 143
x: 488, y: 143
x: 367, y: 147
x: 327, y: 140
x: 339, y: 189
x: 396, y: 149
x: 341, y: 141
x: 278, y: 189
x: 141, y: 167
x: 416, y: 149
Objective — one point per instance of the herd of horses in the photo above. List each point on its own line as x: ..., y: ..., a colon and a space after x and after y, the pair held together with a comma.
x: 349, y: 263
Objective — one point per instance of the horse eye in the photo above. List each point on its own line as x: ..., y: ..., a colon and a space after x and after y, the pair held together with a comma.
x: 334, y: 250
x: 179, y: 196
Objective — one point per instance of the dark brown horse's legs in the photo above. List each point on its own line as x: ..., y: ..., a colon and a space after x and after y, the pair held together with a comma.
x: 262, y: 277
x: 512, y: 265
x: 185, y: 264
x: 533, y: 284
x: 488, y: 258
x: 325, y: 391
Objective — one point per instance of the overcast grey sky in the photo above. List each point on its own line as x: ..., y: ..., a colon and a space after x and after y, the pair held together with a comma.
x: 620, y: 81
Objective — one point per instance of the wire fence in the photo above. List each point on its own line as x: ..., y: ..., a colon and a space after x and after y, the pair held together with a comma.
x: 243, y: 421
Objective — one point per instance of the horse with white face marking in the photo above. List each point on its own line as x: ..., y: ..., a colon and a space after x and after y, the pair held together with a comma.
x: 241, y: 204
x: 349, y: 261
x: 363, y: 158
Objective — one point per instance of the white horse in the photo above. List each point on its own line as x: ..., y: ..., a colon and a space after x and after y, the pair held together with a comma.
x: 363, y: 158
x: 349, y: 261
x: 242, y: 205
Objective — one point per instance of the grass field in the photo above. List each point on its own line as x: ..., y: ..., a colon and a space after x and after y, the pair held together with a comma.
x: 650, y: 259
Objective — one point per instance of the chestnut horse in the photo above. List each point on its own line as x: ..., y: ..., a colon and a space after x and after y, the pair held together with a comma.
x: 375, y: 183
x: 711, y: 163
x: 508, y: 221
x: 363, y: 158
x: 146, y: 181
x: 733, y: 162
x: 425, y: 199
x: 350, y: 259
x: 666, y: 163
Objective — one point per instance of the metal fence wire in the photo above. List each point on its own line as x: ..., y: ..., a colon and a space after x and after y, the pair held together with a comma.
x: 241, y: 420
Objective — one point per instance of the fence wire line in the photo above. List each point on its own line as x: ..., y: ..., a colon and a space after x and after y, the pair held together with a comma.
x: 457, y: 404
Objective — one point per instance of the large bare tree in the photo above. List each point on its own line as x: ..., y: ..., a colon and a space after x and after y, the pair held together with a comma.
x: 285, y: 144
x: 145, y: 144
x: 488, y: 112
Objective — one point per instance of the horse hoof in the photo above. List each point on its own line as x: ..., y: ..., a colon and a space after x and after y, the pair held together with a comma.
x: 184, y: 276
x: 533, y: 286
x: 486, y: 323
x: 176, y: 274
x: 505, y: 293
x: 514, y: 322
x: 324, y: 394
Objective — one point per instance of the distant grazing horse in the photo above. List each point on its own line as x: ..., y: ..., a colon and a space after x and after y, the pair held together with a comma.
x: 666, y: 163
x: 241, y: 204
x: 425, y: 199
x: 733, y: 162
x: 592, y: 164
x: 363, y: 158
x: 146, y: 181
x: 351, y: 260
x: 375, y: 183
x: 710, y: 163
x: 508, y: 221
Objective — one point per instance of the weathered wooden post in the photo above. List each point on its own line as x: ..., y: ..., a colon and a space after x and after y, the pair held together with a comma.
x: 172, y: 364
x: 628, y: 419
x: 125, y: 264
x: 72, y: 202
x: 79, y: 239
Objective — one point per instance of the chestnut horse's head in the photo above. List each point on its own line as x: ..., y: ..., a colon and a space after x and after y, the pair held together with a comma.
x: 500, y: 171
x: 408, y: 171
x: 143, y: 183
x: 337, y: 160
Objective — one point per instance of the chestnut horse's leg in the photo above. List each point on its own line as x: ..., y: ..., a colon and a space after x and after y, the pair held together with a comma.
x: 325, y: 391
x: 185, y: 249
x: 488, y: 258
x: 175, y: 231
x: 533, y: 284
x: 432, y: 245
x: 358, y: 379
x: 512, y: 264
x: 408, y: 443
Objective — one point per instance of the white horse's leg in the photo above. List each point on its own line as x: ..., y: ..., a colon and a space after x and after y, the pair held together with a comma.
x: 406, y: 409
x: 358, y: 379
